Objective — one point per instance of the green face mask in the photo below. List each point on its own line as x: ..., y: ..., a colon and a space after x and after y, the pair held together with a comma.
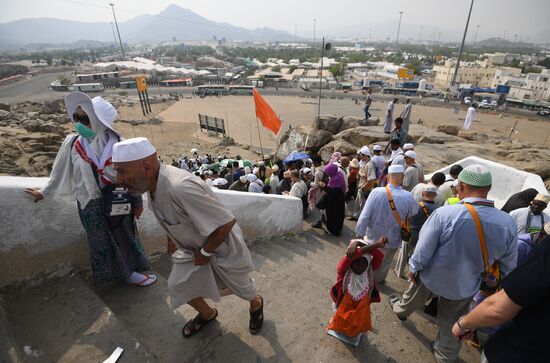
x: 84, y: 131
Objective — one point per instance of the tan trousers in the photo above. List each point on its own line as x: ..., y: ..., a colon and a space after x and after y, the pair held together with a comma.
x: 447, y: 346
x: 382, y: 272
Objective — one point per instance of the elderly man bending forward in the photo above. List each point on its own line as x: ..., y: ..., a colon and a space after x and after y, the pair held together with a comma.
x: 211, y: 253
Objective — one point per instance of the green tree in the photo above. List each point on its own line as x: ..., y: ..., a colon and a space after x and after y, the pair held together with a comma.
x: 276, y: 69
x: 545, y: 62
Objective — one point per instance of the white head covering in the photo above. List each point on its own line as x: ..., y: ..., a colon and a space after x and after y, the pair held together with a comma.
x: 243, y: 179
x: 132, y: 149
x: 306, y: 170
x: 247, y: 170
x: 396, y: 169
x: 251, y: 177
x: 430, y: 189
x: 219, y: 182
x: 364, y: 151
x: 377, y: 147
x: 408, y: 146
x: 410, y: 154
x: 275, y: 168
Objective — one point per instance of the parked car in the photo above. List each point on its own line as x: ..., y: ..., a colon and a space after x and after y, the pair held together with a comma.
x: 467, y: 100
x: 484, y: 104
x: 544, y: 113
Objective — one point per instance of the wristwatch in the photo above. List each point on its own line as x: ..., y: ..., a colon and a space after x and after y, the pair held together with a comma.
x: 204, y: 253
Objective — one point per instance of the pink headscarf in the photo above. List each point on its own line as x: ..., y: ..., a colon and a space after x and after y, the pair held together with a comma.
x: 336, y: 157
x: 336, y: 179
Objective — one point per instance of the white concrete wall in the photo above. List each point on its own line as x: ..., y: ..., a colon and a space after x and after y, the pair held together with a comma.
x: 36, y: 237
x: 506, y: 180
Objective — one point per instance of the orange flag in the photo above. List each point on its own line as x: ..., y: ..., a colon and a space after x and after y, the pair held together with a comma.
x: 266, y: 114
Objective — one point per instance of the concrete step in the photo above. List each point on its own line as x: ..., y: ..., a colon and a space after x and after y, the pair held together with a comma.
x: 63, y: 320
x: 9, y: 350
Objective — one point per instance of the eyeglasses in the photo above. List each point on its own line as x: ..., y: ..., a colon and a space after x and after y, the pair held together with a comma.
x: 83, y: 119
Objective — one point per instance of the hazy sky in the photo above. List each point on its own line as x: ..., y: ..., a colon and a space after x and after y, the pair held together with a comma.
x: 494, y: 16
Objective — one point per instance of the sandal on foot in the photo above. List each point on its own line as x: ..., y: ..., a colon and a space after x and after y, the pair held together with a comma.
x: 196, y: 324
x: 256, y: 318
x: 147, y: 280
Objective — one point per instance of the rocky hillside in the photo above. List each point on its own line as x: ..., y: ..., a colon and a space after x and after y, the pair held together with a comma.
x: 435, y: 148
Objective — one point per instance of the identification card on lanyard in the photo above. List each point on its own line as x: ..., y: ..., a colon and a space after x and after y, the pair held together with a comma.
x: 121, y: 205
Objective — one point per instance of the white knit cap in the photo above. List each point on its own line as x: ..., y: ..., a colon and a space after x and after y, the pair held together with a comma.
x: 243, y: 179
x: 132, y: 149
x: 251, y: 177
x: 377, y: 148
x: 408, y: 146
x: 410, y: 154
x: 396, y: 169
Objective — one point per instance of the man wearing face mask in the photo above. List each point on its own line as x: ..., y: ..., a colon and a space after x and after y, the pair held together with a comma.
x: 83, y: 167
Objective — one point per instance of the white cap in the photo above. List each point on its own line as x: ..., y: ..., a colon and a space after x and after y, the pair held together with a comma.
x: 251, y: 177
x: 219, y: 182
x: 275, y: 168
x: 133, y: 149
x: 306, y: 170
x: 243, y: 179
x: 408, y: 146
x: 247, y: 170
x: 364, y: 151
x: 410, y: 154
x: 396, y: 169
x: 377, y: 147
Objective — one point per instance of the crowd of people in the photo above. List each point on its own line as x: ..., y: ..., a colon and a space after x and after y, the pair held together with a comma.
x: 478, y: 269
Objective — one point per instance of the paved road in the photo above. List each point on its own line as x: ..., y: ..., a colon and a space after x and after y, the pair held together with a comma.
x: 32, y: 89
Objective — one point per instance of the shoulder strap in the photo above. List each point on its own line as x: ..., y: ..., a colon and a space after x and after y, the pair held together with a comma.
x: 392, y: 205
x: 480, y: 234
x: 424, y: 209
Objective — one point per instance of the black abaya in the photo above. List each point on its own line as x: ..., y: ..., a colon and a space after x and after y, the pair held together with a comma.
x: 336, y: 210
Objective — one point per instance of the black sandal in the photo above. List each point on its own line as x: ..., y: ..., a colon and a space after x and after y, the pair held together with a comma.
x: 196, y: 324
x: 256, y: 318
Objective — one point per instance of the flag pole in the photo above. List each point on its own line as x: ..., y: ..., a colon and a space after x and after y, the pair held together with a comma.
x: 260, y: 137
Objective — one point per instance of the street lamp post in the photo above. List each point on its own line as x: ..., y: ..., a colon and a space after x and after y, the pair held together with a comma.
x: 118, y: 31
x: 324, y: 46
x: 398, y: 30
x: 462, y: 44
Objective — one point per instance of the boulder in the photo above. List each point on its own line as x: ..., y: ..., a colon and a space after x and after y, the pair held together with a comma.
x: 349, y: 122
x: 473, y: 135
x: 340, y: 145
x: 362, y: 135
x: 32, y: 114
x: 540, y: 167
x: 328, y: 123
x: 449, y: 129
x: 51, y: 107
x: 4, y: 106
x: 425, y: 134
x: 295, y: 140
x: 4, y: 114
x: 41, y: 126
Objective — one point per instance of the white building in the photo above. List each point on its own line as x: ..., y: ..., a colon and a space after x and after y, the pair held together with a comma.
x: 531, y: 86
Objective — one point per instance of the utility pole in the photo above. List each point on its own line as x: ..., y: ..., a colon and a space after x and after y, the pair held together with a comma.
x: 114, y: 35
x: 295, y: 33
x: 327, y: 46
x: 438, y: 37
x: 314, y: 25
x: 462, y: 45
x: 420, y: 34
x: 118, y: 31
x: 504, y: 37
x: 398, y: 30
x: 475, y: 37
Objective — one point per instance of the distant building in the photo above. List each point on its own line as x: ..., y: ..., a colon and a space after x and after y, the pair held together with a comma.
x: 531, y: 86
x: 479, y: 74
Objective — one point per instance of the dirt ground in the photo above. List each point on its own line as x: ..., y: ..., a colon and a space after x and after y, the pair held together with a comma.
x: 179, y: 131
